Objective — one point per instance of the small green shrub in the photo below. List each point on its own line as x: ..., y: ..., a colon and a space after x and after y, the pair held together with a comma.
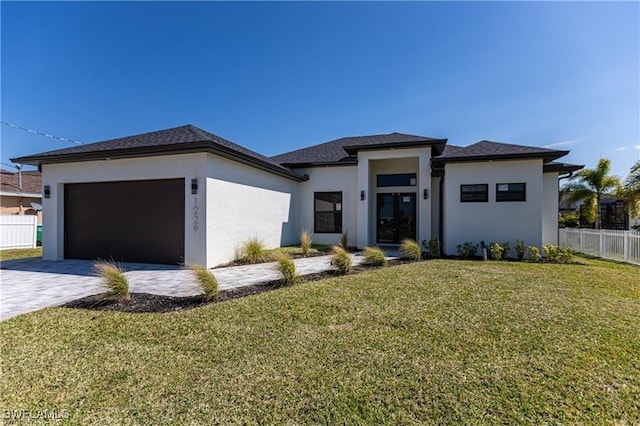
x: 286, y: 266
x: 340, y: 259
x: 556, y: 254
x: 467, y: 250
x: 253, y: 251
x: 374, y: 256
x: 520, y: 249
x: 113, y: 278
x: 506, y: 249
x: 496, y: 250
x: 344, y: 240
x: 206, y: 280
x: 534, y: 254
x: 305, y: 242
x: 432, y: 247
x: 410, y: 250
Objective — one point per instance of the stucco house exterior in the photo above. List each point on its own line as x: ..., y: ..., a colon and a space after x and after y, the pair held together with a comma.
x: 184, y: 194
x: 18, y: 191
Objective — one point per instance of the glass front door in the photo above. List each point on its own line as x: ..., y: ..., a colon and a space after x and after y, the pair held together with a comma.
x: 396, y: 217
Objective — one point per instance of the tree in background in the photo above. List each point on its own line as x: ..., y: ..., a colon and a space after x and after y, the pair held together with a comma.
x: 631, y: 190
x: 588, y: 186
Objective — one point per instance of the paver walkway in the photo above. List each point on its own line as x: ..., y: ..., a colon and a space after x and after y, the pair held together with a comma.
x: 31, y: 284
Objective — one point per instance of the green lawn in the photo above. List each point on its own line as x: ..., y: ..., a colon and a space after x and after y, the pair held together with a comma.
x: 432, y: 342
x: 20, y: 253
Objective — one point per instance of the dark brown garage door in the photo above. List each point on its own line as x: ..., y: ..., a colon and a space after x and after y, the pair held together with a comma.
x: 132, y: 221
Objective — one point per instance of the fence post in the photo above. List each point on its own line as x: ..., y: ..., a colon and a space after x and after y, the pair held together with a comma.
x: 35, y: 231
x: 626, y: 240
x: 581, y: 230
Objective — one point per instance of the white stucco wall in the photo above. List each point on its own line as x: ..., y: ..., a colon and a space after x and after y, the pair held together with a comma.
x: 330, y: 179
x: 435, y: 207
x: 187, y: 166
x: 550, y: 209
x: 244, y: 202
x: 397, y: 161
x: 493, y: 221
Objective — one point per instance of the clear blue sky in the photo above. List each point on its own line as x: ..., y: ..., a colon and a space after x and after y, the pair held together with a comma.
x: 280, y: 76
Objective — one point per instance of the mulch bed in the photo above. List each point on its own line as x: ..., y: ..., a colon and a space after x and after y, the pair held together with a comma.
x: 145, y: 302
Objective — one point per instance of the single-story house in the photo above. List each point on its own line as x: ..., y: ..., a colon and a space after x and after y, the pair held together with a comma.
x: 20, y: 192
x: 184, y: 194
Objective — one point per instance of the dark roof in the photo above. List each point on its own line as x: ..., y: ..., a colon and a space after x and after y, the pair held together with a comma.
x: 342, y: 151
x: 555, y: 166
x: 488, y: 150
x: 182, y: 139
x: 31, y: 182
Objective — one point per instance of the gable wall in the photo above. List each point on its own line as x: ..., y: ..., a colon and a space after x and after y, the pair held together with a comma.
x: 492, y: 221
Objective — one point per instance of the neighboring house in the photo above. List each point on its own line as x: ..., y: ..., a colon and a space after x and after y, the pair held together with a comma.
x: 614, y: 213
x: 18, y: 191
x: 186, y: 194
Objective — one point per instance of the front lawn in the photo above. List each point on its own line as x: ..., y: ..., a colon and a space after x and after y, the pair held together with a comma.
x: 441, y: 341
x: 13, y: 254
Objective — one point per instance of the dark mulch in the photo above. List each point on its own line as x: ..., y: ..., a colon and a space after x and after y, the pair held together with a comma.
x: 144, y: 302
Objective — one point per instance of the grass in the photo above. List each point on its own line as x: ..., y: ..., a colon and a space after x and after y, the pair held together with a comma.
x: 305, y: 242
x: 253, y: 251
x: 439, y: 342
x: 13, y: 254
x: 286, y: 267
x: 341, y: 260
x: 374, y: 256
x: 410, y: 250
x: 113, y: 279
x: 206, y: 280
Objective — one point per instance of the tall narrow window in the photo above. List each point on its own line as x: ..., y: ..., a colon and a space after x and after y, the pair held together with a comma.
x: 328, y: 212
x: 511, y: 192
x: 476, y: 193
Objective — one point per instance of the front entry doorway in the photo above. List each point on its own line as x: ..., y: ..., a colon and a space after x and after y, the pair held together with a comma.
x: 396, y: 218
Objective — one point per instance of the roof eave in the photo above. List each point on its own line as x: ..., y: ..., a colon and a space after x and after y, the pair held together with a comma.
x: 438, y: 144
x: 546, y: 157
x: 154, y: 151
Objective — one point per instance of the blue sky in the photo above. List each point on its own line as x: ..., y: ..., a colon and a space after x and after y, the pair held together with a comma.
x: 280, y: 76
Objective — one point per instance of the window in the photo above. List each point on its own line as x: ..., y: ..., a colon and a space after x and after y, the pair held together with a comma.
x: 403, y: 179
x: 328, y: 212
x: 477, y: 193
x: 511, y: 192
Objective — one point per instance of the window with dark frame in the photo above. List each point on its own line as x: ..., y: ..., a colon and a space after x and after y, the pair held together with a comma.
x: 327, y: 212
x: 398, y: 179
x: 475, y: 193
x: 511, y: 192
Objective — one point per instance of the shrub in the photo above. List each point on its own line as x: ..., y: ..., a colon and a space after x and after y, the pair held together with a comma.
x: 113, y: 278
x: 496, y: 250
x: 340, y: 259
x: 344, y: 240
x: 286, y: 266
x: 506, y: 249
x: 410, y: 250
x: 520, y: 249
x: 305, y: 242
x: 534, y: 254
x: 467, y: 250
x: 206, y: 280
x: 556, y: 254
x: 374, y: 256
x: 253, y: 251
x: 433, y: 247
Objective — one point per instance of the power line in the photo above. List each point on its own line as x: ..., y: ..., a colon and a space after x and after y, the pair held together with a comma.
x: 35, y: 132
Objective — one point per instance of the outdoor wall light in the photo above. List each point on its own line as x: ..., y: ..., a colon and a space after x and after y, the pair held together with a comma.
x: 362, y: 195
x: 47, y: 191
x: 194, y: 186
x: 425, y: 194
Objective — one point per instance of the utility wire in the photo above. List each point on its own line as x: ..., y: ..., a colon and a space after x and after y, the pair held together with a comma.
x: 35, y: 132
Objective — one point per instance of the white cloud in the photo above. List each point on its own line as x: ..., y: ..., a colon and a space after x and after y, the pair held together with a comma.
x: 563, y: 143
x: 636, y: 147
x: 622, y: 148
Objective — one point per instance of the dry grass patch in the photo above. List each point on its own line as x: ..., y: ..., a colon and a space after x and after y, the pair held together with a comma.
x: 113, y: 278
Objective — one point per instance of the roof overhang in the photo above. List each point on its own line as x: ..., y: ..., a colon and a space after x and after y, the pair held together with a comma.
x: 161, y: 150
x: 545, y: 157
x: 436, y: 144
x: 561, y: 168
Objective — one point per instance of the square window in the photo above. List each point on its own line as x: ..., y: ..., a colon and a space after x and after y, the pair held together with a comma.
x: 327, y: 212
x: 476, y: 193
x: 511, y: 192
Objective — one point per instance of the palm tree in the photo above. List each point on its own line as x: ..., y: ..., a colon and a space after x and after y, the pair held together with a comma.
x: 588, y: 185
x: 631, y: 190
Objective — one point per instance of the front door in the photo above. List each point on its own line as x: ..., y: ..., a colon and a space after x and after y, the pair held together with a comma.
x: 396, y: 217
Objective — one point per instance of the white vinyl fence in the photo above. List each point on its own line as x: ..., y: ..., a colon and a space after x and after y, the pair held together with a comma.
x: 607, y: 243
x: 18, y: 231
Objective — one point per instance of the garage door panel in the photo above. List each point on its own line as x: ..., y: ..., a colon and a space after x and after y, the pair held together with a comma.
x: 135, y: 221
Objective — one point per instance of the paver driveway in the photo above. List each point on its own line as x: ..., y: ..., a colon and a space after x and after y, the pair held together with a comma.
x: 30, y: 284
